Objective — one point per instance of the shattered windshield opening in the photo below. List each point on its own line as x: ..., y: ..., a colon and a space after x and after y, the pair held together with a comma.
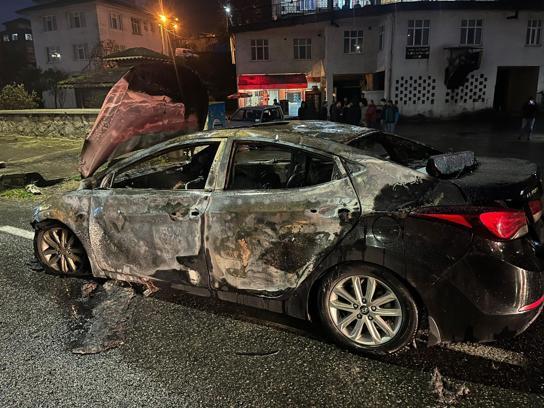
x: 396, y: 149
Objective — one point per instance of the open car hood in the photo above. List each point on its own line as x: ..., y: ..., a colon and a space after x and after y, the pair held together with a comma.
x: 151, y: 103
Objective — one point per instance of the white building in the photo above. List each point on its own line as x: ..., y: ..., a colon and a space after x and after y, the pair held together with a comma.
x: 67, y: 34
x: 439, y: 58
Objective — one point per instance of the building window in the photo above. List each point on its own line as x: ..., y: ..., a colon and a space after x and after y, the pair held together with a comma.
x: 53, y: 55
x: 534, y: 32
x: 80, y: 52
x: 116, y: 22
x: 259, y: 50
x: 5, y: 38
x: 418, y: 33
x: 28, y: 37
x: 302, y: 48
x: 14, y: 37
x: 353, y: 42
x: 471, y: 32
x: 76, y: 19
x: 49, y: 23
x: 136, y: 26
x: 381, y: 38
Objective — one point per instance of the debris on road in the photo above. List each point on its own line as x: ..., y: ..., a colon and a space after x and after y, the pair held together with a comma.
x: 150, y: 287
x: 32, y: 189
x: 88, y: 289
x: 109, y: 318
x: 447, y: 392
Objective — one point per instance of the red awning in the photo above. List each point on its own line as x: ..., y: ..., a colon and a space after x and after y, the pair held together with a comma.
x: 288, y: 81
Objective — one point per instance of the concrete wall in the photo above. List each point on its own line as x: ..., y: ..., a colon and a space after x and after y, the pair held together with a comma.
x: 70, y: 123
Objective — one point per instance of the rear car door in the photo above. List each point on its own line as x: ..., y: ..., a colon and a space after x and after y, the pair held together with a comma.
x: 149, y: 223
x: 283, y: 208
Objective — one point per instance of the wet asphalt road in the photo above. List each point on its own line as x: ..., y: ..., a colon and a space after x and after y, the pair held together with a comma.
x: 185, y: 351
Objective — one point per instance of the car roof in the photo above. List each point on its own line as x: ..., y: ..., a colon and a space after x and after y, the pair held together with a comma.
x: 325, y: 136
x: 259, y: 107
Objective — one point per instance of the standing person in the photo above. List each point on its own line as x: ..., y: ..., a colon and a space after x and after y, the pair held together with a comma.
x: 302, y: 111
x: 323, y: 113
x: 528, y: 118
x: 354, y: 114
x: 389, y: 116
x: 345, y: 111
x: 379, y: 113
x: 276, y: 103
x: 363, y: 106
x: 371, y: 115
x: 338, y: 112
x: 363, y: 99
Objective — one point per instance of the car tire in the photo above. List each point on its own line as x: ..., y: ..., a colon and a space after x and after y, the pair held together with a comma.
x: 383, y: 324
x: 59, y: 250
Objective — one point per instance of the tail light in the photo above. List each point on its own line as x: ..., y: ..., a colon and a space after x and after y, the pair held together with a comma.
x: 536, y: 209
x: 507, y: 224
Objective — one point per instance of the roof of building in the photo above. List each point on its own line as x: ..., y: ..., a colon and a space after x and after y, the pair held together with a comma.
x: 377, y: 10
x: 95, y: 79
x: 63, y: 3
x: 136, y: 54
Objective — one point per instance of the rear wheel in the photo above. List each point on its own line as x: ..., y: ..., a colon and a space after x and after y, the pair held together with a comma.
x: 368, y: 309
x: 59, y: 250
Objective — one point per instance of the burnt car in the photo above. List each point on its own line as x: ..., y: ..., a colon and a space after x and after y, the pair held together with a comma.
x: 330, y: 223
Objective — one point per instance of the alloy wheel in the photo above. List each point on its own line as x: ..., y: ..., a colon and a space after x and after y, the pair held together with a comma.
x: 365, y: 310
x: 61, y: 251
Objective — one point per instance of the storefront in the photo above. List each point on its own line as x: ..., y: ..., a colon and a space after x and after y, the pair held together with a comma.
x: 263, y: 89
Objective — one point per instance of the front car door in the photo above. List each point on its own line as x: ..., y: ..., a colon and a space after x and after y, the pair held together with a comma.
x: 148, y: 225
x: 281, y: 211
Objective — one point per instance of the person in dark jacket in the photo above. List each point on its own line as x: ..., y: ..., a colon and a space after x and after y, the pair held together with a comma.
x: 302, y: 111
x: 354, y: 114
x: 324, y: 112
x: 528, y: 118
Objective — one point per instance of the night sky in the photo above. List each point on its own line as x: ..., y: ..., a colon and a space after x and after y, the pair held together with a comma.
x: 198, y: 15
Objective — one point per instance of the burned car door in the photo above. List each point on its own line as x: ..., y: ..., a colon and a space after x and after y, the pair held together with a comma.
x: 149, y: 223
x: 282, y: 210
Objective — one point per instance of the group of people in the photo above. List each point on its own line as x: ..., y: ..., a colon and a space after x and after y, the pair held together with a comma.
x: 363, y: 113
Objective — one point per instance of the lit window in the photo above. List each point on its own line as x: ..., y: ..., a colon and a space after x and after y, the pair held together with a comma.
x: 302, y: 48
x: 5, y: 38
x: 116, y: 22
x: 14, y: 37
x: 381, y: 38
x: 136, y: 26
x: 534, y: 32
x: 259, y: 50
x: 80, y: 52
x: 49, y: 23
x: 28, y: 37
x: 418, y: 33
x: 353, y: 42
x: 53, y: 55
x: 471, y: 32
x: 76, y: 19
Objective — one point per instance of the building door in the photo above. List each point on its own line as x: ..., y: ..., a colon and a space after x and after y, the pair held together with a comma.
x: 513, y: 88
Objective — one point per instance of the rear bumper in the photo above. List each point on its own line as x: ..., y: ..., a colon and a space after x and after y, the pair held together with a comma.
x: 493, y: 292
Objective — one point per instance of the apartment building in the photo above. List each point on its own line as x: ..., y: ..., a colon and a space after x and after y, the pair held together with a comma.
x: 434, y: 58
x: 68, y: 33
x: 17, y: 40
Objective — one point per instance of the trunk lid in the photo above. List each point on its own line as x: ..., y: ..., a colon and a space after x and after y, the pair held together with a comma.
x: 513, y: 181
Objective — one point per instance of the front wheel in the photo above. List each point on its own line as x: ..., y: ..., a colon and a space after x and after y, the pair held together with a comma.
x: 59, y: 250
x: 367, y: 309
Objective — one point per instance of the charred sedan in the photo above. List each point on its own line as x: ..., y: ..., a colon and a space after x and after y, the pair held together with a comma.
x: 319, y: 221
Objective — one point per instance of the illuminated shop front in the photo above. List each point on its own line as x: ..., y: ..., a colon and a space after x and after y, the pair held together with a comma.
x: 288, y: 89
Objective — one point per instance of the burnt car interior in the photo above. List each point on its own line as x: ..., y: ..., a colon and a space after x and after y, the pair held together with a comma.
x: 270, y: 166
x: 184, y: 168
x: 396, y: 149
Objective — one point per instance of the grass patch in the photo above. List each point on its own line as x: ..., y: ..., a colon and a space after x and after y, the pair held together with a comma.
x: 19, y: 194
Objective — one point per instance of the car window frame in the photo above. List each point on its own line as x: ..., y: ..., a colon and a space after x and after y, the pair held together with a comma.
x: 106, y: 183
x: 228, y: 161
